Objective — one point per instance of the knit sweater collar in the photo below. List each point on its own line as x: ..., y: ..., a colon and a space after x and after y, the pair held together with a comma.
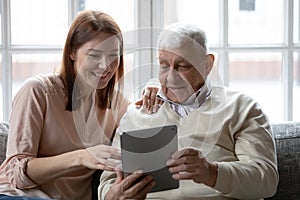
x: 193, y: 102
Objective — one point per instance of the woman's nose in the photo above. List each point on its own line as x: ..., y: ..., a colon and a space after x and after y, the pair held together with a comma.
x: 103, y: 63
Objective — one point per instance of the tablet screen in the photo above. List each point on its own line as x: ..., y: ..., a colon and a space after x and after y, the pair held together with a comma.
x: 149, y: 149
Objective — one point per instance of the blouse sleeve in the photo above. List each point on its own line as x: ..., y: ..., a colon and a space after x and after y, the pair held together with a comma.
x: 26, y: 123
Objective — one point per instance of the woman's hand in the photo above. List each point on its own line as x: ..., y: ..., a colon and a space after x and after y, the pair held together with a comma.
x: 100, y: 157
x: 149, y: 100
x: 190, y: 164
x: 129, y: 187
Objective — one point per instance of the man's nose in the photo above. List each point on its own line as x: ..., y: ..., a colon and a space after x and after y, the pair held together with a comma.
x: 173, y: 76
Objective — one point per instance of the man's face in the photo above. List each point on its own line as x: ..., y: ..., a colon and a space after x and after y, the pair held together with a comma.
x: 182, y: 72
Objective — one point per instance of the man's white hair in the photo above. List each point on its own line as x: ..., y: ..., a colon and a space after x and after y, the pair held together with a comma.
x: 176, y: 34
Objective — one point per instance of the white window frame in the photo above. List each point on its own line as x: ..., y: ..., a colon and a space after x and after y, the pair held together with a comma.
x: 287, y: 49
x: 7, y: 50
x: 149, y: 13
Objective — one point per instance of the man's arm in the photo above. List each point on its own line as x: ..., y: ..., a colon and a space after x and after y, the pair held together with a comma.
x: 254, y: 174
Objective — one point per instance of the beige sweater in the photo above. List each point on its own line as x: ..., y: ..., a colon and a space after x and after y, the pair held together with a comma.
x: 40, y: 127
x: 232, y: 131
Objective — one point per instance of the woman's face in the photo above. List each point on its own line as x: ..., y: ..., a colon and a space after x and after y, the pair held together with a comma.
x: 97, y: 60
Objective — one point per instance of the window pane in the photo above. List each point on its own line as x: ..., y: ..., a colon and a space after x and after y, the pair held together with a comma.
x: 296, y: 86
x: 262, y: 25
x: 296, y: 21
x: 258, y: 75
x: 36, y: 22
x: 25, y: 66
x: 202, y: 13
x: 121, y: 11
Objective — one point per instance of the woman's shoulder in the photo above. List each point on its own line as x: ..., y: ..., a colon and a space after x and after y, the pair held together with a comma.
x: 119, y: 99
x: 47, y: 83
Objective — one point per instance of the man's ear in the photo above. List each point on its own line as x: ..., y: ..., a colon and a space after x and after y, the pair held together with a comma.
x: 209, y: 63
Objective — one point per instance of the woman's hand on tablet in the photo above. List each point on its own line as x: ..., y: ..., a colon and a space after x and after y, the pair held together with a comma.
x: 131, y: 187
x: 102, y: 157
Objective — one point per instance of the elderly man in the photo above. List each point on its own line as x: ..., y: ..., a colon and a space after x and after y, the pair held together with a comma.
x: 226, y: 146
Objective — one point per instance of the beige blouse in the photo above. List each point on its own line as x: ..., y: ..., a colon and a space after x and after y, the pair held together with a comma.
x: 40, y: 127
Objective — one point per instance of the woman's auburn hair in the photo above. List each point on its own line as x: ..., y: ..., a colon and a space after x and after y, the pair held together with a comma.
x: 85, y: 27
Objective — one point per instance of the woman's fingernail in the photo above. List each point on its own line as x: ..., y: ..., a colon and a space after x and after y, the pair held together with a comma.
x: 139, y: 171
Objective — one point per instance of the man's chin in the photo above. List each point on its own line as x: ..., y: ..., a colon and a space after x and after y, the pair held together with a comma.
x: 175, y: 95
x: 177, y: 98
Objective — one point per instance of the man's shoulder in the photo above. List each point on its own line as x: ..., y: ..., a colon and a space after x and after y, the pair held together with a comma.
x: 230, y: 93
x: 231, y: 99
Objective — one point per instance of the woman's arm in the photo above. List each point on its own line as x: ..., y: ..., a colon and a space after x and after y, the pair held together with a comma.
x: 23, y: 167
x: 42, y: 170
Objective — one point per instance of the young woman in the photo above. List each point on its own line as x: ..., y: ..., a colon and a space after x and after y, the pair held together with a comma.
x: 61, y: 125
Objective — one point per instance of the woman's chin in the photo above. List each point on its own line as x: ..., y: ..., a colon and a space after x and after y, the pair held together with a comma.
x: 101, y: 84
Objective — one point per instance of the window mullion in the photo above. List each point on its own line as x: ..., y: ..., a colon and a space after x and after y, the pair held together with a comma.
x: 6, y: 59
x: 157, y: 25
x: 287, y: 77
x: 287, y: 71
x: 143, y: 41
x: 223, y: 54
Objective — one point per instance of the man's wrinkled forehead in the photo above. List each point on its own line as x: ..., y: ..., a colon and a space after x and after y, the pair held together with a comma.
x: 189, y: 50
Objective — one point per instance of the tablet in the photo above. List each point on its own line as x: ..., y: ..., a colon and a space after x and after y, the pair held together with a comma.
x: 149, y: 149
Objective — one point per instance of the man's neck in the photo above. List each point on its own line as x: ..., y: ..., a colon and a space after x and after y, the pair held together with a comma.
x: 193, y: 102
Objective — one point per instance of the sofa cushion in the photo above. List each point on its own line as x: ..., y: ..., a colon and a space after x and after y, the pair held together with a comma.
x: 3, y: 140
x: 287, y: 138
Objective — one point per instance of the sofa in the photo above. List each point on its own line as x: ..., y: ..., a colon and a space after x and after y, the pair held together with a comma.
x: 287, y: 138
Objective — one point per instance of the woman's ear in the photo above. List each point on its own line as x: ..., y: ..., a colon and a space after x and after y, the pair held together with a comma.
x: 209, y: 63
x: 73, y: 56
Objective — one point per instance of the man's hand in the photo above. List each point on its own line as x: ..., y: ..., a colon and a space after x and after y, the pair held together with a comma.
x: 190, y: 164
x: 128, y: 188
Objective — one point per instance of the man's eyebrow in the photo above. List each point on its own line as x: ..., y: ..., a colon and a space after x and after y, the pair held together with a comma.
x: 177, y: 60
x: 161, y: 60
x: 180, y: 59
